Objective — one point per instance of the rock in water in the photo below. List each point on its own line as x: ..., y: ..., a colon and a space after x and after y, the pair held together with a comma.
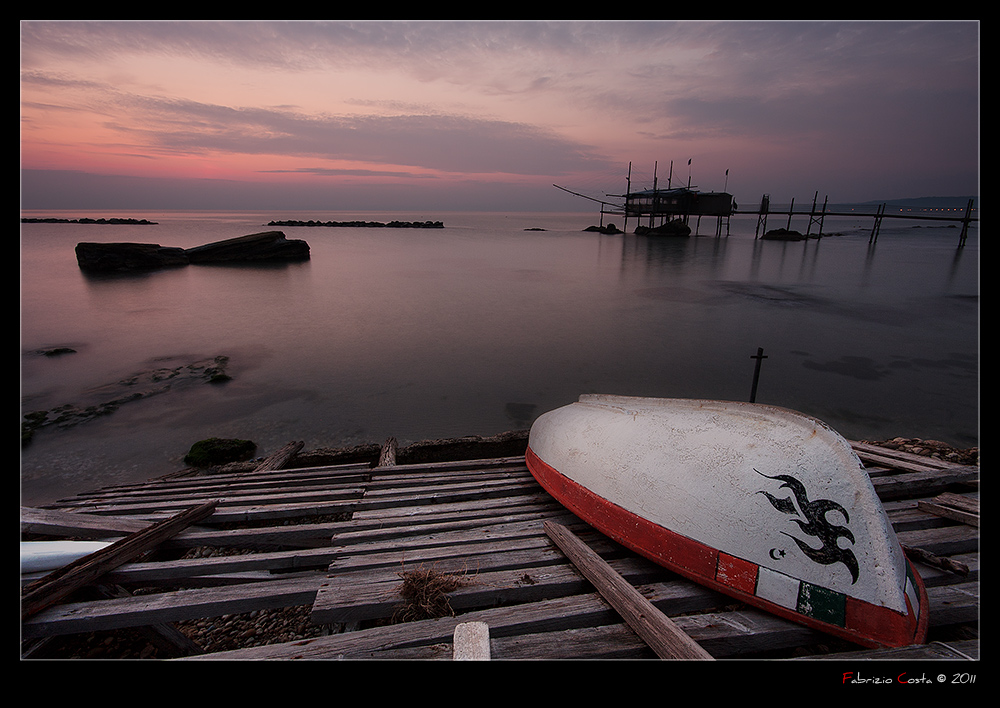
x: 218, y: 451
x: 113, y: 257
x: 116, y: 257
x: 265, y: 246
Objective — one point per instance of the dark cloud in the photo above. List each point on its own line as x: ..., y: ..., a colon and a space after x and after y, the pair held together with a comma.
x: 850, y: 106
x: 449, y: 143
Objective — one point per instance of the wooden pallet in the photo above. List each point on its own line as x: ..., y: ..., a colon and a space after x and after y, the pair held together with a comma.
x: 343, y: 538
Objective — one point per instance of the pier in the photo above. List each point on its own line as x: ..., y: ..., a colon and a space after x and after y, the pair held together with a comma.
x: 816, y: 217
x: 668, y: 211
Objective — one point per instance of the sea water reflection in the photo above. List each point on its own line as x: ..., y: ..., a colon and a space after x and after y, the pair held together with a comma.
x: 481, y: 326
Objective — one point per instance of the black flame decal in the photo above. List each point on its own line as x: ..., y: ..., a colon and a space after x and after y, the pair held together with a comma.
x: 815, y: 524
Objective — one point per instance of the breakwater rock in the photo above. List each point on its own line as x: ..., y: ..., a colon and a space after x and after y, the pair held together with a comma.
x: 119, y: 257
x: 87, y: 220
x: 783, y: 235
x: 363, y: 224
x: 609, y: 229
x: 676, y: 227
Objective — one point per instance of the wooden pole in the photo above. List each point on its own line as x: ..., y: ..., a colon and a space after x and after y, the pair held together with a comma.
x: 765, y: 202
x: 655, y: 628
x: 756, y: 373
x: 628, y: 190
x: 965, y: 224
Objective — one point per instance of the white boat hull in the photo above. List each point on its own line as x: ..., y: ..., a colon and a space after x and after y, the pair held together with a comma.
x: 762, y: 503
x: 44, y: 556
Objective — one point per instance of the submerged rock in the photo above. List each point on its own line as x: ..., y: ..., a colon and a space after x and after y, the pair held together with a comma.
x: 121, y: 257
x: 108, y: 398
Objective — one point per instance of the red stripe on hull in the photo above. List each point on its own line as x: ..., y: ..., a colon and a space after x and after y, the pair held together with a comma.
x: 866, y: 624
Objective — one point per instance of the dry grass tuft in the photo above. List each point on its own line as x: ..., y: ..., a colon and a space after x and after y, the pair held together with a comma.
x: 425, y: 594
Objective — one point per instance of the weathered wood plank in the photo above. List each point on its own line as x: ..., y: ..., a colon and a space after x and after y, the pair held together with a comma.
x: 60, y: 583
x: 472, y: 642
x: 900, y: 459
x: 177, y: 606
x: 964, y: 650
x: 723, y: 634
x: 957, y: 507
x: 943, y: 541
x: 50, y: 522
x: 376, y: 595
x: 655, y: 628
x: 288, y: 477
x: 190, y: 569
x: 281, y: 457
x: 274, y: 483
x: 923, y: 483
x: 387, y: 455
x: 279, y: 496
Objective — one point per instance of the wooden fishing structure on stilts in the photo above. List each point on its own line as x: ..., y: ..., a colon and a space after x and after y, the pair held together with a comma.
x: 667, y: 212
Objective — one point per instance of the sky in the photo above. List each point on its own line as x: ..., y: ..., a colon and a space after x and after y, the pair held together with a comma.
x: 489, y: 115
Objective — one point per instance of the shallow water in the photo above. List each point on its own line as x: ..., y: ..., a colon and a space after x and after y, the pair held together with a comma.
x: 481, y: 326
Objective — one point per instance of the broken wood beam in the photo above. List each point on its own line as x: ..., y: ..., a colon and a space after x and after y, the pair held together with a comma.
x: 279, y: 459
x: 928, y: 558
x: 655, y: 628
x: 59, y: 583
x: 387, y: 456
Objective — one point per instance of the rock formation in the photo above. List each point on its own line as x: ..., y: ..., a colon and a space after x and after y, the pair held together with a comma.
x: 110, y: 257
x: 265, y: 246
x: 118, y: 257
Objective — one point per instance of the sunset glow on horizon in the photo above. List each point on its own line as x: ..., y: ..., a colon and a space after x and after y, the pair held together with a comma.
x: 488, y: 115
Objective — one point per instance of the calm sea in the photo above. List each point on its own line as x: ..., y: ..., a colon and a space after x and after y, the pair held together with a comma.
x: 479, y: 327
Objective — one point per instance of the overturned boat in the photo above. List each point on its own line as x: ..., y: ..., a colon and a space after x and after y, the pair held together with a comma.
x: 761, y: 503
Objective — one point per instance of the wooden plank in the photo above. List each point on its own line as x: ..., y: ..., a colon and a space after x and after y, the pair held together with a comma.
x: 904, y: 460
x: 472, y: 642
x: 60, y: 583
x: 280, y: 458
x: 210, y: 485
x: 177, y: 606
x: 964, y: 650
x: 279, y: 496
x: 956, y: 507
x: 356, y: 597
x: 653, y: 626
x: 929, y: 558
x: 52, y: 522
x: 944, y: 541
x: 727, y: 634
x: 172, y: 572
x: 923, y: 483
x: 387, y: 455
x: 515, y: 523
